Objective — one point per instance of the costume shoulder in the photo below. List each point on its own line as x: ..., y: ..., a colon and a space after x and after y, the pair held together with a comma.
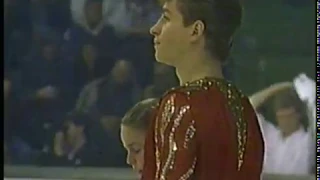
x: 186, y: 115
x: 206, y: 98
x: 208, y: 87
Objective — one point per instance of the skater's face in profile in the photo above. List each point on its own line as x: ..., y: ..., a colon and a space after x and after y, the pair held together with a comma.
x: 172, y: 39
x: 133, y: 141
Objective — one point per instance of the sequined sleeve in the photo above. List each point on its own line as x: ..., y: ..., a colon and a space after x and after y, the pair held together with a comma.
x: 175, y: 139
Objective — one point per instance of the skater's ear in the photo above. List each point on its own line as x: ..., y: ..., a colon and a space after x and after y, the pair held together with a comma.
x: 197, y: 30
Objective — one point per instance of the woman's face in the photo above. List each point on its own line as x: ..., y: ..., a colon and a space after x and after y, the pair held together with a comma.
x: 133, y: 141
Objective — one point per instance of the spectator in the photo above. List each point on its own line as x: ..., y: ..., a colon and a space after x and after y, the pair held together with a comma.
x: 131, y: 21
x: 164, y: 78
x: 91, y: 28
x: 90, y: 66
x: 110, y: 97
x: 141, y: 15
x: 54, y: 14
x: 73, y: 146
x: 40, y: 36
x: 125, y: 16
x: 289, y: 144
x: 44, y: 94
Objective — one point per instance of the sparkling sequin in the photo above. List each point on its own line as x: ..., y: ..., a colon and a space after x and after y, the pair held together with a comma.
x: 173, y: 148
x: 234, y: 99
x: 190, y: 171
x: 166, y: 116
x: 189, y: 134
x: 234, y: 103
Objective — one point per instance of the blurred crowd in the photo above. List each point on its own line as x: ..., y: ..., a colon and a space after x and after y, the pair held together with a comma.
x: 72, y: 68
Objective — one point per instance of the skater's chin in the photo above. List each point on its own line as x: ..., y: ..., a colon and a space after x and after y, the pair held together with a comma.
x: 140, y: 173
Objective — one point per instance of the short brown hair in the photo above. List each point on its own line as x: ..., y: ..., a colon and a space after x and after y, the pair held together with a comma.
x: 139, y: 116
x: 288, y: 99
x: 222, y: 18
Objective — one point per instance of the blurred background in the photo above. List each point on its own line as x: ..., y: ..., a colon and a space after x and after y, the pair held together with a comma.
x: 72, y: 68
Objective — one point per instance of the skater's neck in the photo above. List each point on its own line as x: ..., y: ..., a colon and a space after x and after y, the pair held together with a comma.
x: 198, y: 68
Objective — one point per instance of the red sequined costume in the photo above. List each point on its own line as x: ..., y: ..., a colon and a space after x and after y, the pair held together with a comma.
x: 204, y: 130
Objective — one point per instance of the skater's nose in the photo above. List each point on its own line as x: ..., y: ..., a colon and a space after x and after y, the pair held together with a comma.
x: 130, y: 160
x: 155, y: 29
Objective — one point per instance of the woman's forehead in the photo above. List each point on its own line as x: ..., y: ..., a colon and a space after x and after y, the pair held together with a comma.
x: 131, y: 137
x: 131, y: 133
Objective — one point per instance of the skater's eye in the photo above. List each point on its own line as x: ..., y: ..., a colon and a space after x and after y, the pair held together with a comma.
x: 136, y: 150
x: 165, y: 17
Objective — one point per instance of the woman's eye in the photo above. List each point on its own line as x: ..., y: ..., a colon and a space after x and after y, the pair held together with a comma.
x: 136, y: 151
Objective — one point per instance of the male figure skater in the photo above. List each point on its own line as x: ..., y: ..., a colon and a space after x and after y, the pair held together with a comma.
x: 205, y: 129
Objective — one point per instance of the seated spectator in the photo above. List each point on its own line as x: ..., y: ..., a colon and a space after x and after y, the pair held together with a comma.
x: 74, y: 146
x: 141, y: 15
x: 108, y: 98
x: 289, y: 143
x: 126, y: 17
x: 44, y: 94
x: 164, y: 78
x: 91, y: 28
x: 53, y: 14
x: 131, y: 21
x: 90, y: 66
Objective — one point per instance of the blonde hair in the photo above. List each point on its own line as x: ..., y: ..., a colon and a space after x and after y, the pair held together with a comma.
x: 139, y: 115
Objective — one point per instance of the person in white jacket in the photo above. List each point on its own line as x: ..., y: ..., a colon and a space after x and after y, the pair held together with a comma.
x: 289, y: 144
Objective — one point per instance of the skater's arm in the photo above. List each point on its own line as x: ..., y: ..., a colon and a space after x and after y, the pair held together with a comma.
x: 260, y: 97
x: 306, y: 90
x: 175, y: 139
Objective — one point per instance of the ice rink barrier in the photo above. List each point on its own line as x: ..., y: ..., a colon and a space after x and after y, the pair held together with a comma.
x: 49, y: 173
